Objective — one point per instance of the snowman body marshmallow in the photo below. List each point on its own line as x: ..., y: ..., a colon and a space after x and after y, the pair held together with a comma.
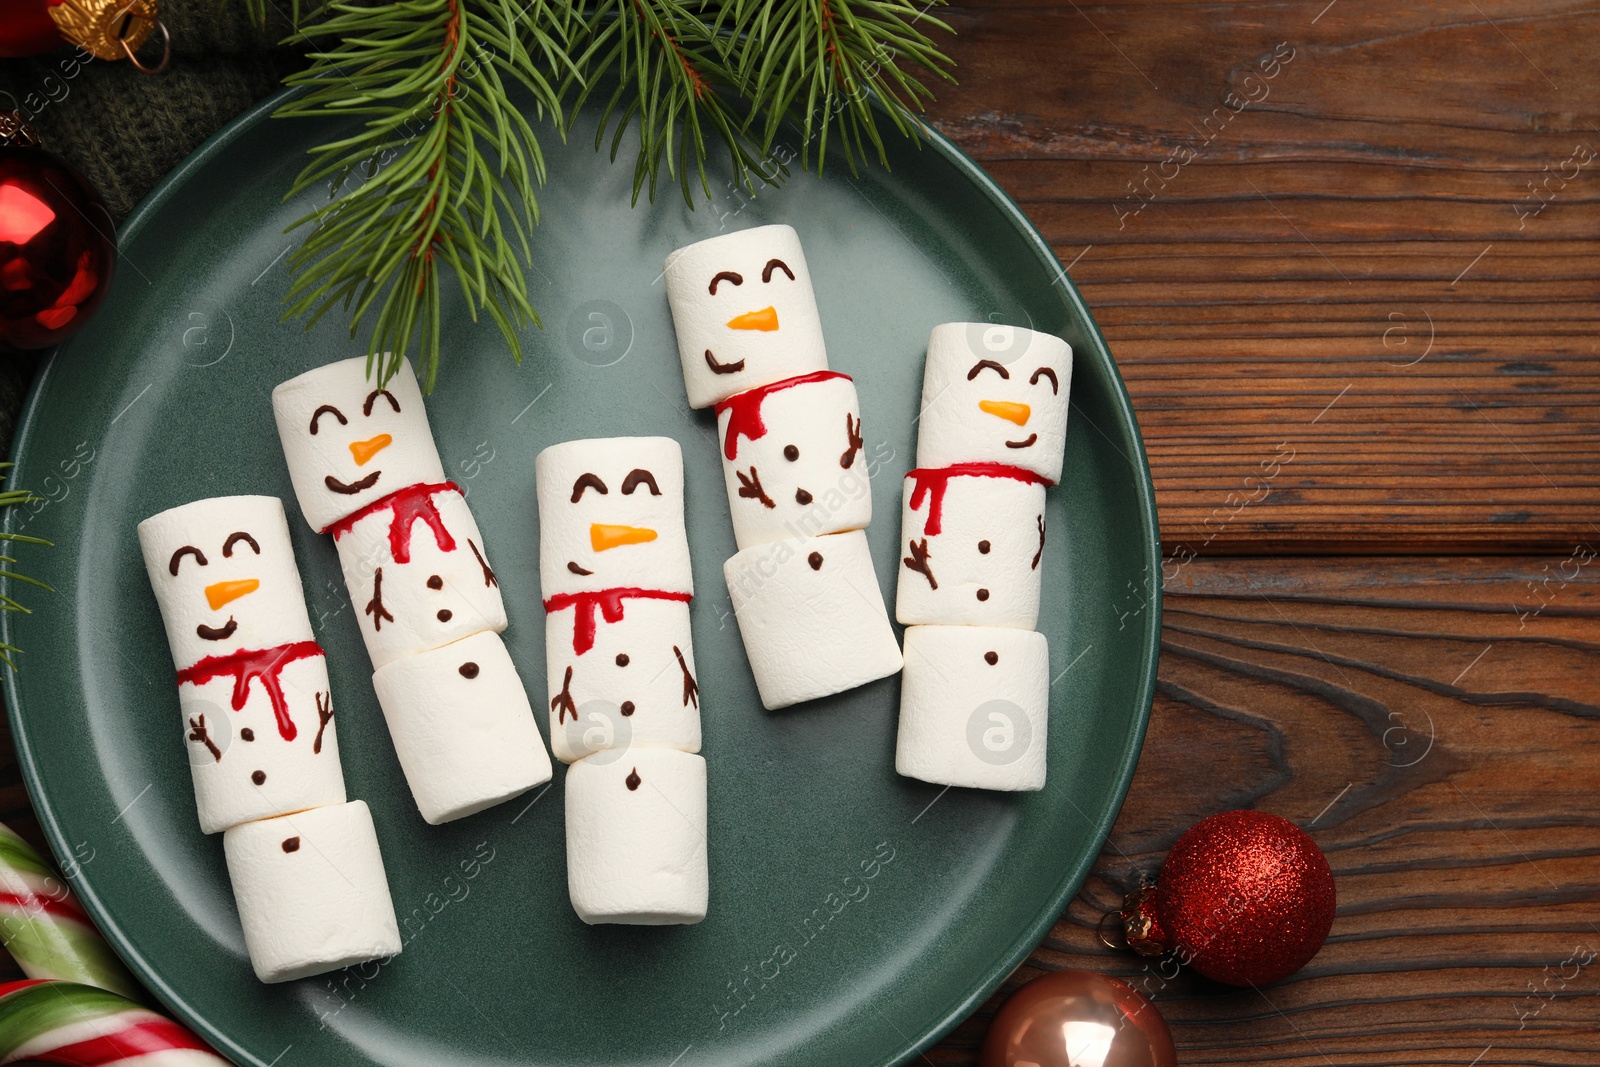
x: 991, y: 439
x: 263, y: 748
x: 365, y: 469
x: 750, y: 343
x: 624, y: 701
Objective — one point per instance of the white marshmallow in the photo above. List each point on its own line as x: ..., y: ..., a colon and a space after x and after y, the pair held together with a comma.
x: 982, y: 566
x: 311, y: 891
x: 438, y: 595
x: 619, y: 530
x: 228, y: 749
x: 636, y: 838
x: 988, y: 396
x: 968, y: 722
x: 633, y: 685
x: 760, y: 326
x: 823, y: 488
x: 240, y: 539
x: 462, y: 727
x: 332, y: 422
x: 811, y: 617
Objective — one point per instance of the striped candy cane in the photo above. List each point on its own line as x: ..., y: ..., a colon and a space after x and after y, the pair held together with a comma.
x: 76, y: 1025
x: 43, y: 926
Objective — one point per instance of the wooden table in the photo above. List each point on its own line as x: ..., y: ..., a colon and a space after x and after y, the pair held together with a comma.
x: 1345, y: 254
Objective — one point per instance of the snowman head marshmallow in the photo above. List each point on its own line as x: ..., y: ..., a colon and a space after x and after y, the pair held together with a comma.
x: 994, y: 394
x: 224, y: 576
x: 744, y: 312
x: 349, y: 441
x: 611, y: 516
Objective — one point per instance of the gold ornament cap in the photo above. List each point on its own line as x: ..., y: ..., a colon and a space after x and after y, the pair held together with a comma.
x: 111, y: 29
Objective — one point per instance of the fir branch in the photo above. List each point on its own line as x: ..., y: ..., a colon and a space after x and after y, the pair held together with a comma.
x: 11, y: 498
x: 439, y: 180
x: 440, y: 175
x: 672, y: 86
x: 821, y: 63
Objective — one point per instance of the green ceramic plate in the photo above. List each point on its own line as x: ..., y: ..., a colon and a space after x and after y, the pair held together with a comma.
x: 855, y: 915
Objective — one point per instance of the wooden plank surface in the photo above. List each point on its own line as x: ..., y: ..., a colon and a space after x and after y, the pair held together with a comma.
x: 1357, y: 234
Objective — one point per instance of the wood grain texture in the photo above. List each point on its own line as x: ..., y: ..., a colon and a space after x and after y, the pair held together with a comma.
x: 1358, y: 233
x: 1435, y: 725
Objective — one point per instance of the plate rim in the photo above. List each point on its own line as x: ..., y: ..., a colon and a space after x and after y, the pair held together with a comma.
x: 1002, y: 965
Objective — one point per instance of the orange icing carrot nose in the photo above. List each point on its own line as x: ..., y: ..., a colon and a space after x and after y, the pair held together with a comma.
x: 765, y: 320
x: 365, y: 450
x: 603, y: 536
x: 1005, y: 409
x: 220, y: 593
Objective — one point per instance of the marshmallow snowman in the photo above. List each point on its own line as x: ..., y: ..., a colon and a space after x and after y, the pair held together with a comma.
x: 257, y: 710
x: 974, y: 540
x: 615, y: 575
x: 349, y: 444
x: 616, y: 580
x: 791, y: 440
x: 365, y: 469
x: 744, y: 312
x: 307, y: 874
x: 975, y: 697
x: 792, y: 457
x: 995, y: 394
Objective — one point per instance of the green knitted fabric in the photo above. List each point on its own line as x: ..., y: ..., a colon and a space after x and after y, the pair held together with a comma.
x: 124, y: 130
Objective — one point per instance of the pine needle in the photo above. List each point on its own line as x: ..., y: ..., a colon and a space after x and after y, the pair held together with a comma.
x: 437, y: 184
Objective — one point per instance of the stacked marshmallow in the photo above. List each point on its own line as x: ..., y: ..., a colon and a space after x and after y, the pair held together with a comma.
x: 975, y: 693
x: 257, y: 717
x: 802, y: 584
x: 624, y: 703
x: 365, y: 468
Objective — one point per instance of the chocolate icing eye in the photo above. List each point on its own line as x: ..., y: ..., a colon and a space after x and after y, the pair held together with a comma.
x: 1046, y: 372
x: 988, y: 364
x: 366, y: 408
x: 726, y: 276
x: 327, y: 409
x: 235, y: 538
x: 587, y: 481
x: 766, y: 272
x: 637, y: 477
x: 186, y: 550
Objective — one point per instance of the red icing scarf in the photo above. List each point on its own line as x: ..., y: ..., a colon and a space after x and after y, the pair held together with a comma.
x: 933, y: 481
x: 251, y: 664
x: 405, y: 506
x: 744, y: 419
x: 609, y: 601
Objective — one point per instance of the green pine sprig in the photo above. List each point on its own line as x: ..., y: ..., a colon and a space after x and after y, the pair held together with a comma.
x: 439, y: 182
x: 11, y: 498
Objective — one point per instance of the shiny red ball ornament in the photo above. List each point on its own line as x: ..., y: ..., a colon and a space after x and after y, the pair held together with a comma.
x: 1077, y: 1019
x: 57, y: 249
x: 1244, y: 898
x: 26, y: 28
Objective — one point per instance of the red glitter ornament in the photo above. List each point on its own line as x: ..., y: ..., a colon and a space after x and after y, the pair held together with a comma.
x: 57, y: 252
x: 1244, y: 898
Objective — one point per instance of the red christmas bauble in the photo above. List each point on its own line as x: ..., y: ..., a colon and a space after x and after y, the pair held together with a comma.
x: 57, y: 251
x: 1074, y: 1019
x: 26, y: 28
x: 1244, y: 898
